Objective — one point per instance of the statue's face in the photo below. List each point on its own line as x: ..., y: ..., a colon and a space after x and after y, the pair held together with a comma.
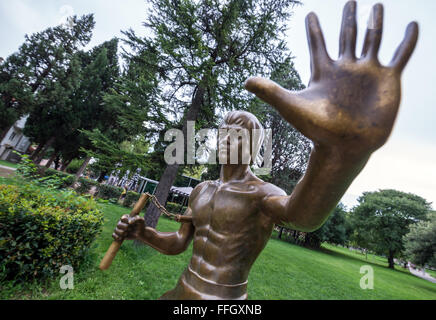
x: 236, y: 136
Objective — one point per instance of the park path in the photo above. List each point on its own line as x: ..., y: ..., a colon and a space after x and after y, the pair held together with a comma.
x: 6, y: 171
x: 422, y: 274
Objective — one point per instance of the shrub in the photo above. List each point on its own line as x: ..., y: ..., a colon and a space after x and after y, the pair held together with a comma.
x: 175, y: 208
x: 43, y: 230
x: 131, y: 198
x: 59, y: 179
x: 107, y: 192
x: 47, y: 178
x: 74, y: 166
x: 85, y: 185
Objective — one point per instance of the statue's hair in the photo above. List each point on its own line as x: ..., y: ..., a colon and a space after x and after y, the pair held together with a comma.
x: 249, y: 121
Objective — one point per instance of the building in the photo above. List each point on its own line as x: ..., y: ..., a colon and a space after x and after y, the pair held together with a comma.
x: 14, y: 140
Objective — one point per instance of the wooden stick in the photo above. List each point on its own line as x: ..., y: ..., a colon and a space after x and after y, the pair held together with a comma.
x: 115, y: 246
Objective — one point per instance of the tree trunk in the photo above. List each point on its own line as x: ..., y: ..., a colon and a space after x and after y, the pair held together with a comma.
x: 44, y: 150
x: 82, y: 167
x: 65, y: 164
x: 37, y: 151
x: 167, y: 179
x: 52, y: 158
x: 56, y: 161
x: 280, y: 232
x: 391, y: 259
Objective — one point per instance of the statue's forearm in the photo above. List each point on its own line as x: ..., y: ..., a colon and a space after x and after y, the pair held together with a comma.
x: 169, y: 243
x: 328, y: 176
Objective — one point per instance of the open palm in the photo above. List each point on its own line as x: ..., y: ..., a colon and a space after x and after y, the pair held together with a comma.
x: 350, y: 103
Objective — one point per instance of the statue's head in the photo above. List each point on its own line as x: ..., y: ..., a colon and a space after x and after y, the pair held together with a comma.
x: 240, y: 132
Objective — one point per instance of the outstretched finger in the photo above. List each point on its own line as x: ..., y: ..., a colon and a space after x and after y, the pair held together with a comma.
x: 347, y: 39
x: 318, y: 52
x: 374, y: 32
x: 405, y: 49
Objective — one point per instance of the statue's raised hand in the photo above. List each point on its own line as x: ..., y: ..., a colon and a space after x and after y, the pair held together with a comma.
x: 350, y: 103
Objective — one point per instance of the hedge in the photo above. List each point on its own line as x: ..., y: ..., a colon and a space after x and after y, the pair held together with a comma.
x: 65, y: 179
x: 131, y: 198
x: 43, y: 230
x: 85, y: 185
x: 175, y: 207
x: 106, y: 192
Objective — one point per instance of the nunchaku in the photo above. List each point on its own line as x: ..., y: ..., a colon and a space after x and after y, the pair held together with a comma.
x: 140, y: 204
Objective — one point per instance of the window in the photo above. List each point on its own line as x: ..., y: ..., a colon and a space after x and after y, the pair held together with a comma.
x: 13, y: 134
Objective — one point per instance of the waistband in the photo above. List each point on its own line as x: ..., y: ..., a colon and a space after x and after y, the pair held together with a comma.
x: 211, y: 290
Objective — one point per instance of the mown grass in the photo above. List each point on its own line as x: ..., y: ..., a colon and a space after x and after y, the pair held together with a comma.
x: 8, y: 164
x: 282, y: 271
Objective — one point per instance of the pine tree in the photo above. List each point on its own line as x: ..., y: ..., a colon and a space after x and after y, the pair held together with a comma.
x: 42, y: 60
x: 203, y: 53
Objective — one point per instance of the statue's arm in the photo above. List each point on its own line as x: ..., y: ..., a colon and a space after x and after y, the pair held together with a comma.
x: 348, y: 111
x: 327, y: 178
x: 170, y: 243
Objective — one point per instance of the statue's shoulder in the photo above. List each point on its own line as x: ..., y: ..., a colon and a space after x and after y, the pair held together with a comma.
x: 200, y: 187
x: 271, y: 190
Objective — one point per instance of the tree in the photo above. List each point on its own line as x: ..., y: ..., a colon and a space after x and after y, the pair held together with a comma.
x: 382, y: 219
x: 81, y: 106
x: 420, y: 242
x: 205, y: 50
x: 42, y: 61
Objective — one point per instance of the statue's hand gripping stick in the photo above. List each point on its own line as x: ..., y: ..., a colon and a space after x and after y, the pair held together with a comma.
x: 115, y: 246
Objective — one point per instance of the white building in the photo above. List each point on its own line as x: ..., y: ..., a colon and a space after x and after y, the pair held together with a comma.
x: 14, y: 140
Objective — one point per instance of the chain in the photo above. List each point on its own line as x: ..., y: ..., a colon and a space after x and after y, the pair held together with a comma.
x: 162, y: 209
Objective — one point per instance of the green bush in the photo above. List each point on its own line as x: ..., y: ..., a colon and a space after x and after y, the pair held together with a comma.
x: 47, y: 178
x: 85, y: 185
x: 43, y: 230
x: 74, y: 166
x: 175, y: 207
x: 107, y: 192
x: 131, y: 198
x: 58, y: 178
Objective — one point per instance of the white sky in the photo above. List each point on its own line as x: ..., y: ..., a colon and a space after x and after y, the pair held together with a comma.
x: 407, y: 161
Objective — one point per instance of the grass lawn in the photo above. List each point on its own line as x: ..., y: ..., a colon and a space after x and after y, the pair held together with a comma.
x: 283, y: 271
x: 8, y: 164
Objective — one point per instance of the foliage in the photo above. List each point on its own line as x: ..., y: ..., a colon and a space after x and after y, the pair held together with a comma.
x: 382, y: 218
x: 175, y: 208
x: 420, y: 242
x: 108, y: 192
x: 47, y: 178
x: 85, y: 185
x: 74, y: 166
x: 57, y: 179
x: 44, y: 230
x: 38, y: 75
x: 110, y: 156
x: 334, y: 230
x: 192, y: 66
x: 131, y: 198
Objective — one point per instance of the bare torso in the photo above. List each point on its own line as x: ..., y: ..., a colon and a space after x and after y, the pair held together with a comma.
x: 230, y: 232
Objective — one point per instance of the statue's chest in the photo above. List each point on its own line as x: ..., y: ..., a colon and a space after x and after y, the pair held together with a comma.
x: 224, y: 207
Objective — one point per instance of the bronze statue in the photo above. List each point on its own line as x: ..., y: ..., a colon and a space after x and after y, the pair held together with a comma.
x: 348, y: 111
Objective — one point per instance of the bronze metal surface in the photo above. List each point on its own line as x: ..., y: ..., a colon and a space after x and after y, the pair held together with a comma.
x: 348, y: 111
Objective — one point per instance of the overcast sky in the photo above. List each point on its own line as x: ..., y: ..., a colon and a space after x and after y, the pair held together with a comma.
x: 408, y: 160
